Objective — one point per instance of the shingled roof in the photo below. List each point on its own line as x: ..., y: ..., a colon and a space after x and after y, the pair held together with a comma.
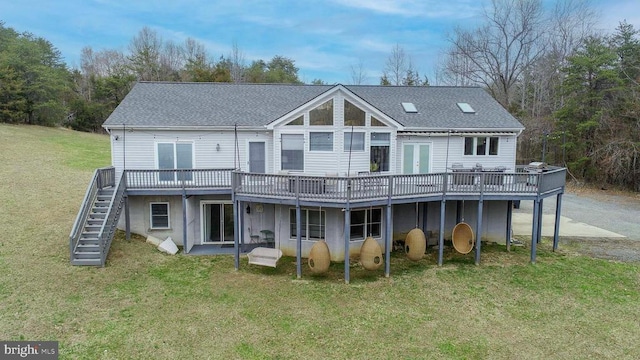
x: 162, y: 104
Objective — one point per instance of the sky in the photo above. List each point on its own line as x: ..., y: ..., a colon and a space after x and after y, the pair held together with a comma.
x: 325, y: 38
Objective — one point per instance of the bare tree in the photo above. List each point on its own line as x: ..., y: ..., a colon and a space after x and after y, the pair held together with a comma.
x: 396, y: 66
x: 237, y: 64
x: 358, y: 73
x: 496, y: 54
x: 171, y: 61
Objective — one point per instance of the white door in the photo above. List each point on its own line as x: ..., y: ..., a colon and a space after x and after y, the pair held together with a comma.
x: 416, y: 158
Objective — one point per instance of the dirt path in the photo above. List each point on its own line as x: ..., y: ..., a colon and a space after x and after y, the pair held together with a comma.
x: 614, y: 211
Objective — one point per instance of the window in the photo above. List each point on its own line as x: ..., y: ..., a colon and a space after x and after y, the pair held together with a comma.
x: 380, y: 145
x: 175, y: 156
x: 376, y: 122
x: 313, y: 224
x: 297, y: 121
x: 365, y: 223
x: 322, y: 115
x: 292, y: 152
x: 159, y: 217
x: 479, y: 146
x: 357, y: 144
x: 320, y: 141
x: 353, y: 115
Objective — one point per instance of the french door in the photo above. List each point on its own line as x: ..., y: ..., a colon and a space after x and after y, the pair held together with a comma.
x: 416, y: 158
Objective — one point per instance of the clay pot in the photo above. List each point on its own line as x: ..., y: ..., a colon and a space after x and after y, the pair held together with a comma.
x: 319, y: 257
x: 371, y: 254
x: 462, y: 238
x: 415, y: 244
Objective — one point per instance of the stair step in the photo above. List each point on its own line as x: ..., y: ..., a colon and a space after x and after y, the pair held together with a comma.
x: 87, y: 248
x: 86, y: 262
x: 86, y: 254
x: 95, y: 221
x: 99, y: 209
x: 88, y: 242
x: 97, y: 215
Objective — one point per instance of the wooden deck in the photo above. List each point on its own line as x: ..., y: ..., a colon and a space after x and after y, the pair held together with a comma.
x: 365, y: 188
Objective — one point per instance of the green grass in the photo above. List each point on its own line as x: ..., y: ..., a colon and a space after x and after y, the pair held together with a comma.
x: 148, y: 305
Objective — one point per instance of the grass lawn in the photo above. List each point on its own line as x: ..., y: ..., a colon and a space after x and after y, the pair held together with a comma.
x: 148, y: 305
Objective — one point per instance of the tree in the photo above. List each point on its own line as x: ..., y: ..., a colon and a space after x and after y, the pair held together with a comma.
x: 496, y: 54
x: 35, y: 83
x: 358, y: 73
x: 589, y: 90
x: 399, y: 70
x: 281, y: 69
x: 145, y: 55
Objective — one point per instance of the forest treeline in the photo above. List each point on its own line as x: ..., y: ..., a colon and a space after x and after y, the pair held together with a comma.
x: 576, y: 89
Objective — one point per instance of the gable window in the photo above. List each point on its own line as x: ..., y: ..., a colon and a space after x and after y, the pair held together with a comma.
x: 481, y: 145
x: 320, y: 141
x: 365, y: 223
x: 376, y: 122
x: 175, y: 156
x: 353, y: 141
x: 159, y: 215
x: 313, y: 224
x: 322, y: 115
x: 380, y: 145
x: 353, y: 115
x: 292, y: 153
x: 296, y: 121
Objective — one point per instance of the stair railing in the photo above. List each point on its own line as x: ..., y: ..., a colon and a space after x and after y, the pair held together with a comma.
x: 108, y: 229
x: 100, y: 180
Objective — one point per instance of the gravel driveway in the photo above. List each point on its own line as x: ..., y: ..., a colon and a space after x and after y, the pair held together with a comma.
x: 613, y: 212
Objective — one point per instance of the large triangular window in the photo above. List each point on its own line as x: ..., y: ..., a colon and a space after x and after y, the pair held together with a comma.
x: 353, y: 115
x: 322, y: 115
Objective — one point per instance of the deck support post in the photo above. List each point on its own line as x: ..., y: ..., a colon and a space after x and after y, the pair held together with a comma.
x: 184, y: 221
x: 535, y: 228
x: 540, y: 221
x: 347, y: 232
x: 509, y: 225
x: 441, y: 232
x: 388, y: 241
x: 299, y: 239
x: 458, y: 211
x: 556, y: 229
x: 479, y: 231
x: 236, y: 226
x: 127, y: 217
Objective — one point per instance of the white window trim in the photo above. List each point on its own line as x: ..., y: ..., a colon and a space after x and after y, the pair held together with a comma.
x: 475, y: 145
x: 333, y: 142
x: 366, y: 225
x: 151, y: 215
x: 364, y: 141
x: 305, y: 212
x: 175, y: 156
x: 203, y: 203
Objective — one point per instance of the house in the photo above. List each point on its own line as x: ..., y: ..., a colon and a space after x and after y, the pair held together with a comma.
x: 222, y: 168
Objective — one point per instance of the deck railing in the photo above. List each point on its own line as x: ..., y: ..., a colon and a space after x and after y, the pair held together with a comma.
x: 354, y: 188
x: 178, y: 179
x: 108, y: 229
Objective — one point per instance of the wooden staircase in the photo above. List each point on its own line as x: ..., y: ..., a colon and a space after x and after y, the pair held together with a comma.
x: 96, y: 223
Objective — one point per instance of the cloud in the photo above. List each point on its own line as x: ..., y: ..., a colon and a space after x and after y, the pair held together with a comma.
x: 416, y: 8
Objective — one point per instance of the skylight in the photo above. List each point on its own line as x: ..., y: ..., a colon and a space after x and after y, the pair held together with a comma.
x: 409, y: 107
x: 466, y: 108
